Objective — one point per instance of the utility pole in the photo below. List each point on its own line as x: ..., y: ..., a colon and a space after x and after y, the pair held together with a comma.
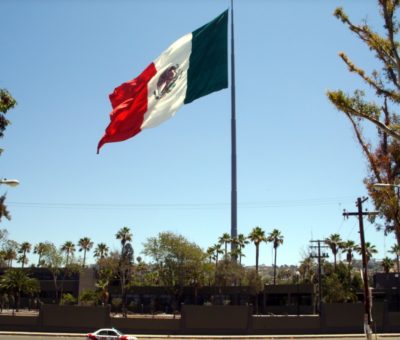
x: 367, y: 303
x: 319, y: 256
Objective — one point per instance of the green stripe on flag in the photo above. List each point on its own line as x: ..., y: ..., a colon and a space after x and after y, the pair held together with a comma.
x: 208, y: 63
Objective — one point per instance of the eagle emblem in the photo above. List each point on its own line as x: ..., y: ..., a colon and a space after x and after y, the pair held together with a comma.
x: 167, y: 80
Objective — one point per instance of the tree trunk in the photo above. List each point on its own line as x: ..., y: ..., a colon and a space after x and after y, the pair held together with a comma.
x: 275, y: 267
x: 84, y: 257
x: 55, y: 286
x: 334, y: 261
x: 257, y: 254
x: 17, y: 299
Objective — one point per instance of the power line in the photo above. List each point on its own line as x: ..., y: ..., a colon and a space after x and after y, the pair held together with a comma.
x: 212, y: 205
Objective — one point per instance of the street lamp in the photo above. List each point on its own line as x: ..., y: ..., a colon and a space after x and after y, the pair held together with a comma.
x: 9, y: 182
x: 386, y: 185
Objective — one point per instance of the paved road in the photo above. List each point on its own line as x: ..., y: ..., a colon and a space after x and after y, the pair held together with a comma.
x: 280, y: 337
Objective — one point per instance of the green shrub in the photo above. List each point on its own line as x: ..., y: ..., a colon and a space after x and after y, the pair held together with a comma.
x: 89, y: 297
x: 68, y: 299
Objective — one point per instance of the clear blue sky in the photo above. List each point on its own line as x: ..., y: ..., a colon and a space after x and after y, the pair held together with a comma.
x: 299, y: 164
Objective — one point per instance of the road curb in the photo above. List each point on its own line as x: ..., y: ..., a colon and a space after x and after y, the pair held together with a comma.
x: 217, y: 337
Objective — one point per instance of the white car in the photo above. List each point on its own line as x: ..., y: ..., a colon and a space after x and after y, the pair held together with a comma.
x: 109, y: 334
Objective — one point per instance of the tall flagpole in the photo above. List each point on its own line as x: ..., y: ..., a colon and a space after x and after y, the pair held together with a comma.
x: 233, y: 139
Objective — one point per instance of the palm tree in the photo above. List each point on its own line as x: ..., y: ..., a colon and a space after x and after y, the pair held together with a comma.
x: 334, y: 242
x: 40, y: 249
x: 24, y: 248
x: 69, y: 249
x: 85, y: 244
x: 210, y: 253
x: 241, y: 242
x: 387, y: 264
x: 102, y: 286
x: 349, y: 247
x: 16, y: 282
x: 237, y: 253
x: 217, y: 251
x: 3, y: 209
x: 396, y: 250
x: 224, y: 240
x: 370, y: 250
x: 276, y: 238
x: 125, y: 235
x: 257, y: 235
x: 101, y: 251
x: 9, y: 255
x: 306, y: 269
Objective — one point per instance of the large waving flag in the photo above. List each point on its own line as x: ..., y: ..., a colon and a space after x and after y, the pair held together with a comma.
x: 193, y: 66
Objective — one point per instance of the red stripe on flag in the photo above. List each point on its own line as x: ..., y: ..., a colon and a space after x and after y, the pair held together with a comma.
x: 129, y: 103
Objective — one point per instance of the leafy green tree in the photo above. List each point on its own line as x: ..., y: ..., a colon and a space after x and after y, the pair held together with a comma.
x: 257, y: 235
x: 228, y: 273
x: 177, y: 260
x: 387, y: 264
x: 276, y: 238
x: 69, y: 249
x: 69, y: 270
x: 108, y: 270
x: 338, y: 285
x: 144, y: 275
x: 24, y: 248
x: 125, y: 271
x: 68, y: 299
x: 85, y: 244
x: 7, y: 102
x: 255, y: 285
x: 396, y: 251
x: 285, y: 275
x: 88, y: 297
x: 53, y: 260
x: 383, y: 157
x: 178, y: 263
x: 334, y: 242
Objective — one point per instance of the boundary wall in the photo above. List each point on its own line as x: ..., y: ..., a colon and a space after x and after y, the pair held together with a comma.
x: 226, y: 320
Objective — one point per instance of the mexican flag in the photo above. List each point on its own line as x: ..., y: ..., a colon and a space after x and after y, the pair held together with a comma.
x: 193, y: 66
